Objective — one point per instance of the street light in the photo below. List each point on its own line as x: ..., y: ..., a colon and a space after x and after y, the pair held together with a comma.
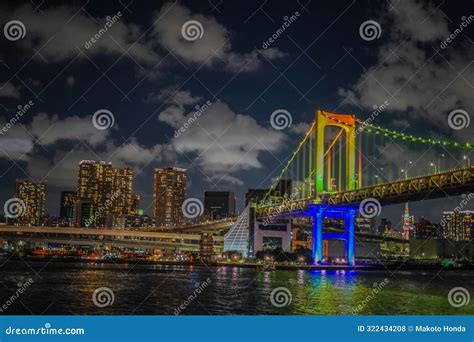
x: 406, y: 168
x: 433, y: 165
x: 442, y: 155
x: 468, y: 161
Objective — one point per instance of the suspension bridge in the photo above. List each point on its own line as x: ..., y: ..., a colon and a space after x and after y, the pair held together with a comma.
x: 344, y: 165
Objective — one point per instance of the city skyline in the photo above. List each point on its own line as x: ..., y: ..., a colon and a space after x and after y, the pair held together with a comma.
x: 157, y: 123
x: 121, y: 195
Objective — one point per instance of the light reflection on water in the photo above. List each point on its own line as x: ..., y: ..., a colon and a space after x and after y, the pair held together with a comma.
x: 66, y: 288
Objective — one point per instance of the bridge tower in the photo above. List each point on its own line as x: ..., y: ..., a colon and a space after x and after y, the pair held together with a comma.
x: 347, y: 123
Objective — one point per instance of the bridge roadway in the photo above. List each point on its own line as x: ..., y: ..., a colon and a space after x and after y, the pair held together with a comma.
x: 449, y: 183
x: 112, y: 237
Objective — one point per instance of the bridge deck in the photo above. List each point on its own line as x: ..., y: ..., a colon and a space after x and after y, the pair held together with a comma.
x: 452, y: 183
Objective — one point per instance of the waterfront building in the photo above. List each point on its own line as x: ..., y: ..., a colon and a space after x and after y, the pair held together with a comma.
x: 108, y: 189
x: 458, y: 226
x: 206, y: 246
x: 169, y: 193
x: 33, y: 196
x: 219, y: 204
x: 94, y: 185
x: 238, y: 239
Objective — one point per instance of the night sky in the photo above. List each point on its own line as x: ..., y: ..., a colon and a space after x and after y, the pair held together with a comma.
x: 150, y: 79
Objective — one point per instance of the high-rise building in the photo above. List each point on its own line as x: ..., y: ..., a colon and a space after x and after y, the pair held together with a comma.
x: 108, y: 190
x: 33, y: 196
x: 169, y: 193
x: 121, y: 195
x: 84, y: 214
x: 255, y: 195
x: 66, y: 209
x: 219, y: 204
x: 458, y: 226
x: 408, y: 222
x: 135, y: 209
x: 424, y: 229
